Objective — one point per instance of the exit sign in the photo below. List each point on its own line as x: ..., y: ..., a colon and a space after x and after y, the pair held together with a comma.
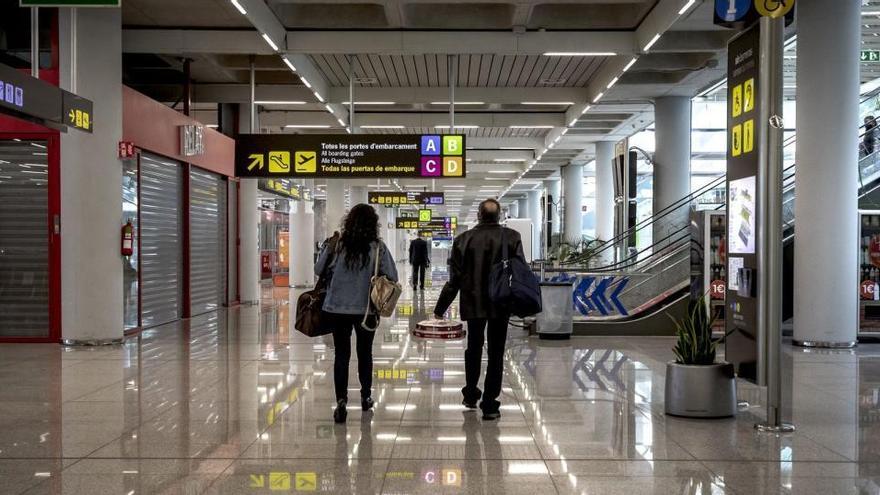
x: 870, y: 56
x: 70, y: 3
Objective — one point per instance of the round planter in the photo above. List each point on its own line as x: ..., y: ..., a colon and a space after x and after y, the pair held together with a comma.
x: 700, y: 391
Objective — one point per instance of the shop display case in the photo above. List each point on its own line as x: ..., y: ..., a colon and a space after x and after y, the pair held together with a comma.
x: 869, y: 273
x: 709, y: 266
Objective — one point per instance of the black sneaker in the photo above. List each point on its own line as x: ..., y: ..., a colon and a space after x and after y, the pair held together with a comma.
x: 491, y: 416
x: 469, y: 405
x: 340, y: 414
x: 367, y: 404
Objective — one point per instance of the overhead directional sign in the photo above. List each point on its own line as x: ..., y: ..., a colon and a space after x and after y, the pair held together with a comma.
x: 77, y: 111
x: 35, y: 100
x: 774, y: 8
x: 70, y: 3
x: 435, y: 224
x: 285, y: 187
x: 342, y: 156
x: 397, y: 198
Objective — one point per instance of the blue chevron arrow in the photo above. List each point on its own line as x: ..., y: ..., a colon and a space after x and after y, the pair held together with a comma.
x: 598, y: 296
x: 615, y: 301
x: 579, y: 296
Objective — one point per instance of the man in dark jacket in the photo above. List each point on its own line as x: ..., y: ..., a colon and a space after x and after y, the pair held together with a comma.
x: 473, y: 254
x: 419, y: 259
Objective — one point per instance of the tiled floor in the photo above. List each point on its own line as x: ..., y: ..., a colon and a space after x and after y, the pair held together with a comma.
x: 238, y: 402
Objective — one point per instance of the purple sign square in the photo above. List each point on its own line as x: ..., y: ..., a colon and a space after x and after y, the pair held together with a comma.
x: 431, y: 166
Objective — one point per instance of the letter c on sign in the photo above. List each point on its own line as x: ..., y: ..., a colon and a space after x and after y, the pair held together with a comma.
x: 431, y: 166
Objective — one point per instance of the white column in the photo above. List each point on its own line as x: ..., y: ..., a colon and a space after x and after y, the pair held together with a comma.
x: 826, y: 238
x: 302, y: 244
x: 534, y: 198
x: 672, y: 159
x: 513, y: 210
x: 552, y: 194
x: 91, y: 180
x: 358, y: 195
x: 604, y: 190
x: 573, y: 182
x: 249, y: 223
x: 523, y: 207
x: 335, y: 208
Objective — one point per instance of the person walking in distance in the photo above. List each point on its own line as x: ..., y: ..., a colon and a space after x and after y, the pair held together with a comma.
x: 419, y: 260
x: 473, y: 254
x: 351, y: 271
x: 870, y: 136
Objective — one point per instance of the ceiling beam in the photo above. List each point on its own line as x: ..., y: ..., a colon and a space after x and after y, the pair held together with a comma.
x: 281, y: 118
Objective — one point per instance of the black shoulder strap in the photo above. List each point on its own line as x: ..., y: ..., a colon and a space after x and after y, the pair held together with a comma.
x: 504, y: 254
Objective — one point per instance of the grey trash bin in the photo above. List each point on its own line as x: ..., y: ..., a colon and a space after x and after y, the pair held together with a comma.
x: 555, y: 319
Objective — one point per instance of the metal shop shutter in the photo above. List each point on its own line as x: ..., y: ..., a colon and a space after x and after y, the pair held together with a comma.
x: 207, y: 242
x: 232, y: 206
x: 161, y: 240
x: 24, y: 239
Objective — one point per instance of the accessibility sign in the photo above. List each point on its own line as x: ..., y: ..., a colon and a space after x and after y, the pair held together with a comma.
x: 774, y: 8
x: 434, y: 156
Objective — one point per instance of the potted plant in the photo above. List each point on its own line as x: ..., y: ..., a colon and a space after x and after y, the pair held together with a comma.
x: 697, y: 386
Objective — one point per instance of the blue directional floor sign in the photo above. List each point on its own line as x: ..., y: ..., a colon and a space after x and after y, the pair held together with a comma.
x: 600, y: 295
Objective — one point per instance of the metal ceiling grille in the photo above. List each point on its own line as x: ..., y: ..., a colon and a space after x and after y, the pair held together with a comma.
x: 474, y: 70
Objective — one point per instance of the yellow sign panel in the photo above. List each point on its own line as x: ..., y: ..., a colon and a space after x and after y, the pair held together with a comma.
x: 258, y: 481
x: 306, y: 162
x: 749, y: 136
x: 736, y: 143
x: 256, y: 161
x: 279, y: 162
x: 774, y: 8
x: 749, y: 95
x: 279, y: 481
x: 736, y: 100
x: 425, y: 215
x: 306, y: 482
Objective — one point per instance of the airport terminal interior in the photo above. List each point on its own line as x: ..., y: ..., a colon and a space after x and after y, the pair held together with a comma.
x: 695, y: 185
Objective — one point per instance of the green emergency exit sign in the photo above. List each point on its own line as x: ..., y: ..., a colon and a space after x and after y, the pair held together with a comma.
x: 70, y: 3
x: 870, y: 56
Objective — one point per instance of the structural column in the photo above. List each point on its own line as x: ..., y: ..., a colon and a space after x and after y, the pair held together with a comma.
x: 91, y: 178
x: 551, y: 204
x: 826, y: 235
x: 335, y: 208
x: 523, y: 207
x: 513, y: 210
x: 534, y: 212
x: 604, y: 190
x: 672, y: 159
x: 357, y: 195
x: 572, y: 196
x: 249, y: 227
x: 302, y: 244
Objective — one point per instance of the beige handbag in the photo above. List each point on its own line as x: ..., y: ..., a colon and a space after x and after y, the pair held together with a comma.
x: 383, y: 294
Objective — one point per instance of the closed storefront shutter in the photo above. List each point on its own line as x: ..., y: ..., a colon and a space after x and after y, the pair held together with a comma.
x: 161, y: 240
x: 207, y: 241
x: 24, y: 240
x: 232, y: 272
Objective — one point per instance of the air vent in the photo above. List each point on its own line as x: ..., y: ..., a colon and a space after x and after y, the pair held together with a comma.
x: 552, y: 82
x: 366, y: 80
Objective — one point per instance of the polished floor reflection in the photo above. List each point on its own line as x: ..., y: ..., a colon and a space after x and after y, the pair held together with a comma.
x: 238, y: 402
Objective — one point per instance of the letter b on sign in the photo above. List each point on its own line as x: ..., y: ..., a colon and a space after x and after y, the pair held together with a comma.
x: 452, y: 145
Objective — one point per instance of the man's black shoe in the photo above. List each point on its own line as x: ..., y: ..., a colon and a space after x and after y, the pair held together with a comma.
x: 469, y: 405
x: 491, y: 416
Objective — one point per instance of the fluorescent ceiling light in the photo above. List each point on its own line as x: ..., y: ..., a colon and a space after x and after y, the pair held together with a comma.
x: 451, y: 186
x: 289, y: 64
x: 651, y: 43
x: 383, y: 127
x: 238, y: 7
x: 547, y: 103
x: 630, y: 64
x: 503, y: 171
x: 586, y: 108
x: 212, y: 126
x: 328, y: 107
x: 307, y: 126
x: 457, y: 127
x: 514, y: 148
x: 531, y: 127
x: 598, y: 97
x: 279, y: 102
x: 459, y: 103
x: 509, y: 160
x: 573, y: 122
x: 579, y: 54
x: 270, y: 42
x: 318, y: 96
x: 687, y: 6
x: 370, y: 103
x: 612, y: 83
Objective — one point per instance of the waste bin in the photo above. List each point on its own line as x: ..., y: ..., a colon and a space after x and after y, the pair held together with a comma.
x: 555, y: 321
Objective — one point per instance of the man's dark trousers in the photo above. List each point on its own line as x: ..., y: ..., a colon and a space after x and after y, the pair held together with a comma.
x: 496, y: 335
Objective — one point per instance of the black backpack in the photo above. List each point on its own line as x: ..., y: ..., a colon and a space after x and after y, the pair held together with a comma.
x: 512, y: 284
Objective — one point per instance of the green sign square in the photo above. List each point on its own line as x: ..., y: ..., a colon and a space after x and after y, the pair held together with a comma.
x: 453, y: 145
x: 70, y: 3
x: 425, y: 215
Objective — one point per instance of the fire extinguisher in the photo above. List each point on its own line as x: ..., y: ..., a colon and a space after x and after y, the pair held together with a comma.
x: 127, y: 239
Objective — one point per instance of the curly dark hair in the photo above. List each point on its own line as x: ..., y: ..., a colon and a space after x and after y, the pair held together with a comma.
x: 359, y: 229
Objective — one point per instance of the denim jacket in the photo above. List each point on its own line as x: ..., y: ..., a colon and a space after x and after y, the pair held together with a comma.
x: 349, y: 288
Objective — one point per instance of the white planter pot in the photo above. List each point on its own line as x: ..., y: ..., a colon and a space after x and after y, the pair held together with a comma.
x: 700, y: 391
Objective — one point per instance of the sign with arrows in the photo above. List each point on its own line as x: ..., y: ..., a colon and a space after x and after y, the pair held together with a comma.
x: 397, y: 198
x: 345, y: 156
x: 600, y: 296
x: 869, y: 56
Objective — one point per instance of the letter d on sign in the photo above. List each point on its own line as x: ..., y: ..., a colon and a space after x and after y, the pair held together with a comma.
x: 452, y: 166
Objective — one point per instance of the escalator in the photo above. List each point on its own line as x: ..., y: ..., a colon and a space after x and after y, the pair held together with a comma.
x: 624, y: 291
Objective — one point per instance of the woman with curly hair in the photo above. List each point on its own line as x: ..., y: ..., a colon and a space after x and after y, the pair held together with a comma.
x: 351, y: 270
